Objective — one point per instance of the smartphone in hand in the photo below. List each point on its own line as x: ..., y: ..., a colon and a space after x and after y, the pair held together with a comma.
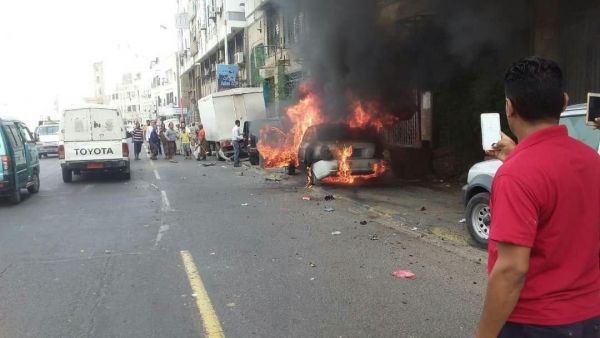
x: 593, y: 109
x: 490, y: 130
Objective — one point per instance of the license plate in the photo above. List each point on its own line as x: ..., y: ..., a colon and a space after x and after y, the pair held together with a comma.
x: 95, y: 166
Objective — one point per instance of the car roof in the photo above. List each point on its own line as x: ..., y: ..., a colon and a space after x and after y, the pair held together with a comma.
x: 575, y: 110
x: 9, y: 119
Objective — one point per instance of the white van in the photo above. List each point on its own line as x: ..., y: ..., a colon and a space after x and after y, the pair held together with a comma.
x: 47, y: 139
x: 93, y: 138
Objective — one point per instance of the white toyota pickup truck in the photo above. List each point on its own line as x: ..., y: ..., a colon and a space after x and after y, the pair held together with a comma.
x: 93, y: 138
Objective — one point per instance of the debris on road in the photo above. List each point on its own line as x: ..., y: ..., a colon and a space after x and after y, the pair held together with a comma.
x: 374, y: 237
x: 244, y: 204
x: 329, y: 198
x: 407, y: 274
x: 212, y: 164
x: 423, y: 208
x: 273, y: 178
x: 312, y: 265
x: 230, y: 304
x: 241, y: 173
x: 462, y: 220
x: 154, y: 186
x: 194, y: 295
x: 212, y: 253
x: 363, y: 222
x: 329, y: 209
x: 312, y: 278
x: 108, y: 252
x: 336, y: 233
x: 306, y: 198
x: 414, y: 229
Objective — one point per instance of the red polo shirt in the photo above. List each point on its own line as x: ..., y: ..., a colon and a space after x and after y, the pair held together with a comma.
x: 546, y: 196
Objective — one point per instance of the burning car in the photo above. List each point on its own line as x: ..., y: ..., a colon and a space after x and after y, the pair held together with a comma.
x: 338, y: 153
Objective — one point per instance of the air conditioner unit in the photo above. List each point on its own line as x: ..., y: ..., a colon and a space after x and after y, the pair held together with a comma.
x: 219, y: 10
x: 239, y: 58
x: 203, y: 27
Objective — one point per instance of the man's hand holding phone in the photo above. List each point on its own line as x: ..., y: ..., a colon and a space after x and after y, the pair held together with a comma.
x: 502, y: 148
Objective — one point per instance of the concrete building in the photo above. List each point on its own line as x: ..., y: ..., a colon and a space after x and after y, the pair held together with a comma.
x: 163, y: 86
x: 272, y: 35
x: 210, y: 24
x: 132, y: 97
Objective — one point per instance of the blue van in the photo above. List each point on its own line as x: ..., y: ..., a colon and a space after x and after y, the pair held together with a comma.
x: 19, y: 165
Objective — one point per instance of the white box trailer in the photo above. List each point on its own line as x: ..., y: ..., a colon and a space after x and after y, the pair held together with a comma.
x: 219, y: 111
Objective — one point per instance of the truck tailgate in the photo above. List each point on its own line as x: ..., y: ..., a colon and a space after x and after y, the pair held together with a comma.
x: 93, y: 151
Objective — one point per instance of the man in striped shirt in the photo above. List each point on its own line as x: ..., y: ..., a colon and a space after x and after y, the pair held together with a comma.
x: 138, y: 140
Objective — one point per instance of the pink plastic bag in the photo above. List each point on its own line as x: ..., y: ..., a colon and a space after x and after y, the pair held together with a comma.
x: 404, y: 274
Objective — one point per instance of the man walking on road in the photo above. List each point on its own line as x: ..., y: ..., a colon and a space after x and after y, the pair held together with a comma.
x: 171, y: 136
x: 184, y: 138
x: 154, y: 140
x: 236, y: 139
x: 138, y: 140
x: 202, y: 143
x: 544, y: 244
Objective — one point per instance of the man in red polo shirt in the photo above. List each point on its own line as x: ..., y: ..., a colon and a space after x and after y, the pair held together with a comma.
x: 544, y: 247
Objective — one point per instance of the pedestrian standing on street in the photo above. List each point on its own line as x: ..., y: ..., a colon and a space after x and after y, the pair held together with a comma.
x: 171, y: 135
x: 236, y: 139
x: 202, y: 142
x: 138, y: 140
x: 193, y: 135
x: 184, y: 138
x: 154, y: 141
x: 148, y: 131
x: 161, y: 128
x: 164, y: 142
x: 544, y: 244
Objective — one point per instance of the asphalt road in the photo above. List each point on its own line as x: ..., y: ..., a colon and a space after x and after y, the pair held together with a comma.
x: 103, y: 258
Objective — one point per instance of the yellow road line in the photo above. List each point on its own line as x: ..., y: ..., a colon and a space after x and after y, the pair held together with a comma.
x: 212, y: 326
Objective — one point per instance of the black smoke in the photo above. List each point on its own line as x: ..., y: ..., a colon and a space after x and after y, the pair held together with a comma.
x: 384, y: 51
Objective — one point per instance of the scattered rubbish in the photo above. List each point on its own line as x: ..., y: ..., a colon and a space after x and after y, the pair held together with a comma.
x: 329, y: 198
x: 82, y: 251
x: 244, y: 204
x: 241, y: 173
x: 107, y: 251
x: 173, y: 161
x: 154, y: 186
x: 363, y: 222
x: 146, y: 225
x: 404, y: 274
x: 203, y: 174
x: 462, y: 220
x: 306, y: 198
x: 414, y: 229
x: 312, y: 265
x: 212, y: 253
x: 231, y: 305
x: 423, y: 208
x: 209, y: 164
x: 194, y: 295
x: 273, y: 179
x: 374, y: 237
x: 336, y: 233
x: 224, y: 166
x: 329, y: 209
x: 312, y: 278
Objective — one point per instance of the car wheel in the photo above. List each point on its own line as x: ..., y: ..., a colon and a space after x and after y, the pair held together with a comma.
x: 67, y: 175
x: 479, y: 218
x: 15, y: 198
x: 35, y: 187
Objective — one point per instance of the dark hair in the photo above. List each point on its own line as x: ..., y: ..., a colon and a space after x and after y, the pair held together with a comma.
x: 237, y: 122
x: 535, y: 86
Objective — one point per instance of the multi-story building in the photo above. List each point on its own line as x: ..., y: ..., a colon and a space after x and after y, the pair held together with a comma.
x: 163, y: 86
x: 132, y: 97
x: 99, y: 83
x: 204, y: 51
x: 273, y: 35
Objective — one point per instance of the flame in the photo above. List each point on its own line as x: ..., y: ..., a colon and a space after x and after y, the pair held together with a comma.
x: 344, y: 173
x: 368, y: 115
x: 280, y: 149
x: 284, y: 151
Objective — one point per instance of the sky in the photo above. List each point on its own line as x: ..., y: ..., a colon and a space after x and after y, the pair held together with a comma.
x: 47, y: 48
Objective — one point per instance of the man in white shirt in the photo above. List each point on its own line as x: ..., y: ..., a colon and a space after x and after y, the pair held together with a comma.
x: 236, y: 139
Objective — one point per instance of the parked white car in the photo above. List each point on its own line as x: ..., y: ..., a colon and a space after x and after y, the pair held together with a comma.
x: 47, y: 139
x: 479, y: 182
x: 93, y: 138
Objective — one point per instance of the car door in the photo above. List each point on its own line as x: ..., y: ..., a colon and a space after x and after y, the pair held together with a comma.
x: 19, y: 156
x: 31, y: 153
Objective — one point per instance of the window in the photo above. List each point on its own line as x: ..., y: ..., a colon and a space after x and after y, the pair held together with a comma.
x: 25, y: 134
x: 13, y: 136
x: 48, y: 130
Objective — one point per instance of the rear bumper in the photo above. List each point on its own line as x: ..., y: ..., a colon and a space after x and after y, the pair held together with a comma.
x: 358, y: 166
x: 6, y: 188
x: 107, y: 165
x: 47, y: 149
